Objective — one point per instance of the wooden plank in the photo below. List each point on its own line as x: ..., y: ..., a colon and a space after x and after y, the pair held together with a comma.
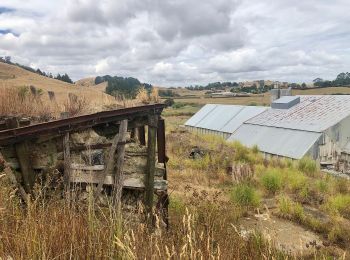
x: 151, y: 161
x: 118, y: 180
x: 128, y: 181
x: 83, y: 167
x: 161, y: 141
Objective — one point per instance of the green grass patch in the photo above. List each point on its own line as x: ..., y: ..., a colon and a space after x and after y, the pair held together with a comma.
x: 245, y: 195
x: 308, y: 166
x: 272, y: 180
x: 339, y: 204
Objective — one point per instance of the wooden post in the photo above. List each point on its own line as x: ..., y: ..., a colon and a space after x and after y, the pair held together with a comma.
x: 13, y: 179
x: 22, y: 151
x: 66, y: 156
x: 161, y: 141
x: 151, y: 161
x: 142, y: 138
x: 28, y: 174
x: 118, y: 178
x: 110, y: 163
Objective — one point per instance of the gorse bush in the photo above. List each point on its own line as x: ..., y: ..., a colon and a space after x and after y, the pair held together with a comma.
x: 245, y: 195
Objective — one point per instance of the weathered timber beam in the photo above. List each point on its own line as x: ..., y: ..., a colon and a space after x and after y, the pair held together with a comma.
x: 28, y: 174
x: 77, y: 123
x: 151, y: 161
x: 128, y: 181
x: 118, y: 180
x: 12, y: 177
x: 141, y: 137
x: 161, y: 141
x: 66, y: 155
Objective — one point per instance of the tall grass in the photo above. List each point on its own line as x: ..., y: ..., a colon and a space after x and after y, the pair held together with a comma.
x: 49, y: 228
x: 29, y: 102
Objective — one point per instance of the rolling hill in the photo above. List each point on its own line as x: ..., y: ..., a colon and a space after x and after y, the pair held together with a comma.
x: 13, y: 76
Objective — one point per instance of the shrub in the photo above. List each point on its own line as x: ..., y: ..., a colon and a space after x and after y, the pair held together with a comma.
x: 245, y: 195
x: 169, y: 102
x: 272, y: 181
x: 290, y: 209
x: 307, y: 166
x: 285, y: 205
x: 322, y: 186
x: 178, y: 105
x: 255, y: 149
x: 295, y: 180
x: 339, y: 204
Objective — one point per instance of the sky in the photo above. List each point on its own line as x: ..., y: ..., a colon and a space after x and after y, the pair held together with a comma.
x: 180, y: 42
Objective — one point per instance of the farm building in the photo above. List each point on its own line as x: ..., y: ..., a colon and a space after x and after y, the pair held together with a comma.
x: 293, y: 127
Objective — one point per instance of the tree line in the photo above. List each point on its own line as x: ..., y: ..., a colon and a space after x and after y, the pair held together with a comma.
x: 64, y: 77
x: 342, y: 79
x: 127, y: 87
x: 214, y: 85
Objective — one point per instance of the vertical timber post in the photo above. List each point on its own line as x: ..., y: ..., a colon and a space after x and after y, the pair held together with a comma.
x: 151, y: 161
x: 118, y: 178
x: 141, y: 133
x: 66, y: 157
x: 22, y: 151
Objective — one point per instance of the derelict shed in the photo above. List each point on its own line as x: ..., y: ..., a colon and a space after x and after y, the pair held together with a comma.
x: 293, y: 127
x: 221, y: 120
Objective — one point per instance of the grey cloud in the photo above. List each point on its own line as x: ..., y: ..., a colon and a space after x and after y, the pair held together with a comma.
x: 181, y: 42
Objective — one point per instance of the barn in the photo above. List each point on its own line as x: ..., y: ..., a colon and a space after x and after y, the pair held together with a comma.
x: 293, y: 127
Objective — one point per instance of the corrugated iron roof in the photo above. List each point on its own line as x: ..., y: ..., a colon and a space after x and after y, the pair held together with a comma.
x: 203, y: 112
x: 244, y: 114
x: 223, y: 118
x: 313, y: 113
x: 284, y: 142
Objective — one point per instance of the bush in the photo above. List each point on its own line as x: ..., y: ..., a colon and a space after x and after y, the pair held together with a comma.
x: 290, y: 209
x: 339, y: 204
x: 272, y: 181
x: 245, y: 195
x: 169, y: 102
x: 178, y: 105
x: 307, y: 166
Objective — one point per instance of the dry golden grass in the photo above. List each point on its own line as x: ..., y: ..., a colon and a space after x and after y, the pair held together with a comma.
x: 261, y: 99
x: 49, y: 228
x: 13, y: 76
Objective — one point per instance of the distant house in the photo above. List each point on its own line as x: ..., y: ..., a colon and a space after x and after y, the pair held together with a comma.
x: 293, y: 127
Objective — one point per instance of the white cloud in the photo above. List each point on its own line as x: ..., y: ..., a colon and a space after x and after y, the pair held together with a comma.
x: 180, y: 42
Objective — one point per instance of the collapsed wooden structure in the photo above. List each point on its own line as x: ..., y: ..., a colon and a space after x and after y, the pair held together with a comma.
x: 105, y: 149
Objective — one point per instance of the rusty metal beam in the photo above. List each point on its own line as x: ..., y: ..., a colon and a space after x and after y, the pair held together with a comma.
x: 76, y: 123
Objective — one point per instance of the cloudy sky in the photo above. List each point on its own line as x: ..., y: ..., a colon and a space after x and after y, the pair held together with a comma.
x: 180, y: 42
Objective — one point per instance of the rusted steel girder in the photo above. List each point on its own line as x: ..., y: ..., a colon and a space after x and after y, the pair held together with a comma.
x: 76, y: 123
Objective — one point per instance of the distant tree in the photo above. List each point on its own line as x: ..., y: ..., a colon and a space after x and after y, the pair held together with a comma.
x: 169, y: 102
x: 317, y: 80
x: 303, y: 85
x: 8, y: 59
